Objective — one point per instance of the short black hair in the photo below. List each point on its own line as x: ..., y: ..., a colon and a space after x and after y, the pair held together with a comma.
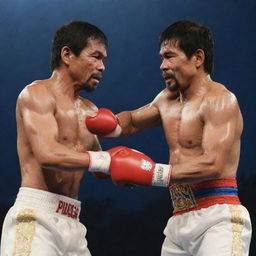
x: 190, y: 37
x: 75, y: 35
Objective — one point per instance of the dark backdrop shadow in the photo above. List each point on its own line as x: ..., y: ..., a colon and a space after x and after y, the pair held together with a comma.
x: 121, y: 221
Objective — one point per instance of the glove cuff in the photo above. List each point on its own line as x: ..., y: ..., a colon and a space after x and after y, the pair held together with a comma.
x: 115, y: 133
x: 99, y: 161
x: 161, y: 175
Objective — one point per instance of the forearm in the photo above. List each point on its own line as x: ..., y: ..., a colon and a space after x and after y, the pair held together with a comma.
x: 196, y: 170
x: 132, y: 122
x: 108, y: 125
x: 65, y: 159
x: 126, y: 124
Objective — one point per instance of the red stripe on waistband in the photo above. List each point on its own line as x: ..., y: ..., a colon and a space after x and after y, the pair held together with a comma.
x: 229, y: 182
x: 209, y: 201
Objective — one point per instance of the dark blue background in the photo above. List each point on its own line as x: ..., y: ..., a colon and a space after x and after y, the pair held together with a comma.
x: 132, y: 79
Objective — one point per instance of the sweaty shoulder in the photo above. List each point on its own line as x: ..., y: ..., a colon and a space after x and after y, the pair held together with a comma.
x: 219, y: 99
x: 36, y: 96
x: 165, y: 96
x: 89, y: 106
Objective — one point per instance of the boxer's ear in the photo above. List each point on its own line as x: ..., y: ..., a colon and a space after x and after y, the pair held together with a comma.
x: 66, y: 55
x: 199, y: 58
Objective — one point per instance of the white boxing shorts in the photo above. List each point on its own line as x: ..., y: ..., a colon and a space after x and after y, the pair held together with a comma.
x: 41, y: 223
x: 208, y: 220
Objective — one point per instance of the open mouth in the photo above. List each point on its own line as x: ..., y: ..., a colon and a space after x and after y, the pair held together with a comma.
x: 168, y: 78
x: 96, y: 77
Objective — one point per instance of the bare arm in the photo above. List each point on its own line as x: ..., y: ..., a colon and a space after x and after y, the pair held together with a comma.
x: 140, y: 119
x: 36, y: 108
x: 223, y: 126
x: 105, y: 123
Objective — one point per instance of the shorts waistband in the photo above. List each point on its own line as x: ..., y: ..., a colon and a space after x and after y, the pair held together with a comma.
x: 48, y: 202
x: 191, y: 197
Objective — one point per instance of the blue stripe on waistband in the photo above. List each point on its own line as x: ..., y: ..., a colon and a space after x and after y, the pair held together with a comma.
x: 215, y: 192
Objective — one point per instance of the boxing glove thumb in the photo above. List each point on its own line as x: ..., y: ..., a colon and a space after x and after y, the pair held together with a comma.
x: 105, y: 123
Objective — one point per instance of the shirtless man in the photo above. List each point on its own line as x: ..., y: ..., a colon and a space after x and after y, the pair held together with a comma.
x: 55, y: 148
x: 203, y: 125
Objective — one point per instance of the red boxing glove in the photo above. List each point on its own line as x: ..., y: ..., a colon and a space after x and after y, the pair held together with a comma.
x: 104, y: 123
x: 130, y: 166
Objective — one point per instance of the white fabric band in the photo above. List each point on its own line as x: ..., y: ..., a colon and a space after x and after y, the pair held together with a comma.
x: 161, y: 175
x: 99, y: 161
x: 115, y: 133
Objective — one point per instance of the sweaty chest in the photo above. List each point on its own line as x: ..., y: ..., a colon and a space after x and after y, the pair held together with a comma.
x: 72, y: 131
x: 183, y: 124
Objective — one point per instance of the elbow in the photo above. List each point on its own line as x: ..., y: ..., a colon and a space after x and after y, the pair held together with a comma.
x: 215, y: 173
x: 216, y: 170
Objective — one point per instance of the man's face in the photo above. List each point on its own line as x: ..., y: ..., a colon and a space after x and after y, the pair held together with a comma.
x: 87, y: 68
x: 177, y: 69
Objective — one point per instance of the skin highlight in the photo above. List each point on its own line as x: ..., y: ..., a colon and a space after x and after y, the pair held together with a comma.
x: 201, y: 119
x: 52, y: 136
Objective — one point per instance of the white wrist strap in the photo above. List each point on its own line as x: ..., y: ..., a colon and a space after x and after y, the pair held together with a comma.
x: 161, y: 175
x: 99, y: 161
x: 115, y: 133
